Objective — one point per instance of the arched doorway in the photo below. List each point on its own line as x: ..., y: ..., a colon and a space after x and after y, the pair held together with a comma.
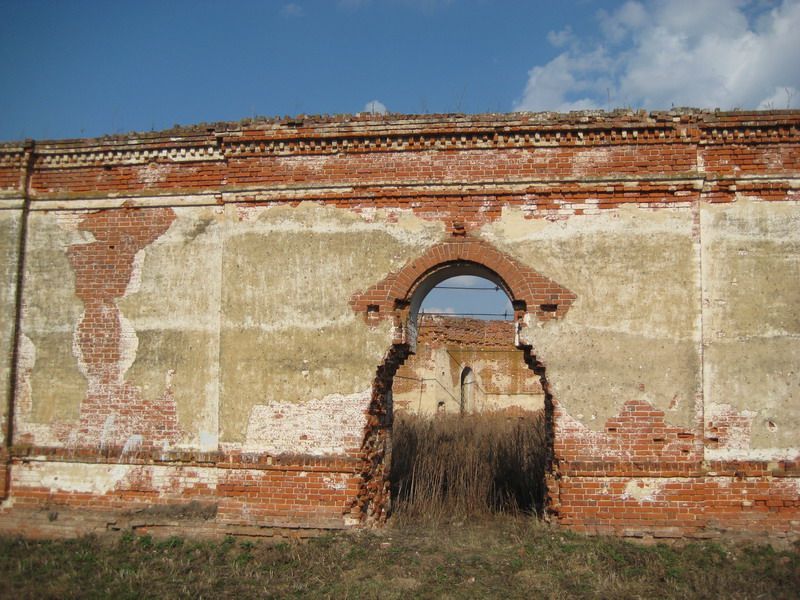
x: 467, y: 389
x: 398, y: 297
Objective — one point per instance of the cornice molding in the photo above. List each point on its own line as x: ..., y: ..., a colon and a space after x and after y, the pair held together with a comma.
x: 357, y: 134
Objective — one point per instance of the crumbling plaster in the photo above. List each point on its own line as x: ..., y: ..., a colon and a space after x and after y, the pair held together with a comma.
x: 633, y: 333
x: 751, y: 306
x: 52, y: 383
x: 634, y: 330
x: 173, y: 303
x: 219, y: 312
x: 9, y: 251
x: 288, y: 334
x: 230, y: 311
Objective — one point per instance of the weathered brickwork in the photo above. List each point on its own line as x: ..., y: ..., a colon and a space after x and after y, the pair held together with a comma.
x: 209, y: 327
x: 235, y: 496
x: 531, y: 291
x: 452, y: 349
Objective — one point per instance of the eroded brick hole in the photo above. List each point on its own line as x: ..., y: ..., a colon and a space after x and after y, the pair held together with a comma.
x: 373, y: 503
x: 483, y: 451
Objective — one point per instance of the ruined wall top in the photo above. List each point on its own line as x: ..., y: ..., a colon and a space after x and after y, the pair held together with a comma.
x: 364, y: 131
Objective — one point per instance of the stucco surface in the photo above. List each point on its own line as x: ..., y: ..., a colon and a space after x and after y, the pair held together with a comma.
x: 172, y: 303
x: 229, y: 309
x: 751, y: 269
x: 9, y: 244
x: 634, y: 330
x: 288, y: 334
x: 55, y: 385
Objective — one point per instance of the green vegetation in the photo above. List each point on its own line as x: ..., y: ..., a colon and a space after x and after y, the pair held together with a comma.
x: 498, y: 557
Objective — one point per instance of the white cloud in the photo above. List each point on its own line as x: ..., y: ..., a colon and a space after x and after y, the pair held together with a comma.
x: 560, y: 38
x: 292, y: 10
x: 467, y: 281
x: 375, y: 107
x: 783, y: 97
x: 435, y: 309
x: 662, y: 53
x: 629, y: 16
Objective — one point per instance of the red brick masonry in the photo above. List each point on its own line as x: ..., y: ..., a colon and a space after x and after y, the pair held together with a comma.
x: 637, y: 476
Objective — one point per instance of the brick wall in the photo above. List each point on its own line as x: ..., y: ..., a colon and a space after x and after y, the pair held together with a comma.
x: 528, y: 197
x: 430, y: 380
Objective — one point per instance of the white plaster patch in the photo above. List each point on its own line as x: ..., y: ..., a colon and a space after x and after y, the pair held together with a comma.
x: 586, y: 162
x: 79, y: 477
x: 43, y: 434
x: 335, y: 482
x: 153, y: 173
x: 331, y: 425
x: 135, y: 282
x: 369, y: 213
x: 701, y: 163
x: 737, y: 425
x: 592, y: 442
x: 77, y: 352
x: 106, y: 436
x: 766, y: 454
x: 209, y: 440
x: 70, y: 222
x: 128, y: 345
x: 513, y: 227
x: 313, y: 164
x: 99, y: 479
x: 642, y: 490
x: 132, y: 444
x: 773, y: 158
x: 25, y: 363
x: 312, y: 217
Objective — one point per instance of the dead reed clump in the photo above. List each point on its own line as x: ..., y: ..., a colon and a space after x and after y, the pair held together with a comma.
x: 454, y: 466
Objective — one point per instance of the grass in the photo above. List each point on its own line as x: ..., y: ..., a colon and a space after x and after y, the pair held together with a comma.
x: 497, y: 557
x: 467, y: 491
x: 467, y: 466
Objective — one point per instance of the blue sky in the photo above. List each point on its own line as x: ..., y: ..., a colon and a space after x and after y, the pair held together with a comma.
x: 81, y: 68
x: 477, y: 297
x: 86, y: 68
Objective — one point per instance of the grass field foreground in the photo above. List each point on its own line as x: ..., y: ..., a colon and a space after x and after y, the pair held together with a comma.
x: 500, y: 557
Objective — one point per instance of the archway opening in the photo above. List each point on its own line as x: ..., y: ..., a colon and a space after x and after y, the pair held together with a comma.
x: 467, y: 390
x: 468, y: 296
x: 468, y: 420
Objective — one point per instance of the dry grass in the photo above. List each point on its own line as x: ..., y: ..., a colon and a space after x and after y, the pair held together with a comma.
x: 455, y: 467
x: 497, y: 557
x: 474, y: 467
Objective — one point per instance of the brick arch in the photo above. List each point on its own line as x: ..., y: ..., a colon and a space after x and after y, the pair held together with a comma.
x: 396, y: 297
x: 528, y: 290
